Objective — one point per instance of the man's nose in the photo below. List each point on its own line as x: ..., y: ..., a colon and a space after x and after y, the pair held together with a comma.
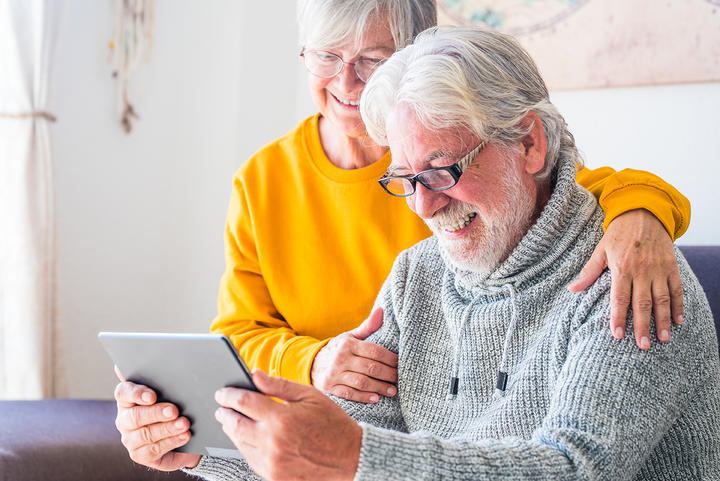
x: 425, y: 202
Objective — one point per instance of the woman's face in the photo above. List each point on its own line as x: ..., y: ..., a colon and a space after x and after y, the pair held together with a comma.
x: 338, y: 98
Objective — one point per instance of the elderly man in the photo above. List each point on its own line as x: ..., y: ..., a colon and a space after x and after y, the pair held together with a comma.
x: 503, y: 373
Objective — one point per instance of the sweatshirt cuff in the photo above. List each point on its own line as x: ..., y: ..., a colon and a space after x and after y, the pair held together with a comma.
x: 297, y: 359
x: 639, y: 196
x: 381, y: 455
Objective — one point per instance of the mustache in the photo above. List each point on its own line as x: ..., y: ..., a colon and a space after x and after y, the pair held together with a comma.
x: 451, y: 213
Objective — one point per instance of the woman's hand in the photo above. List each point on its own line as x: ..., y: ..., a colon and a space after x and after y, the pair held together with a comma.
x: 150, y: 431
x: 639, y: 252
x: 351, y: 368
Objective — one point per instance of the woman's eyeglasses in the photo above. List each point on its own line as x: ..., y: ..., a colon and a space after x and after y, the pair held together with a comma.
x: 327, y: 65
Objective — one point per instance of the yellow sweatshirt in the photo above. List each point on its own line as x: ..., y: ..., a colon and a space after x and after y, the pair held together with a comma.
x: 308, y: 245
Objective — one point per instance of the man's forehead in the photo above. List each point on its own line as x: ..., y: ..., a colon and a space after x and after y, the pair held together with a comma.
x: 411, y: 142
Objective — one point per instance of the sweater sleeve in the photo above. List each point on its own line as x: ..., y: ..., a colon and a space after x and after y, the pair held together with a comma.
x: 619, y: 192
x: 610, y: 405
x: 246, y: 313
x: 223, y: 469
x: 386, y: 413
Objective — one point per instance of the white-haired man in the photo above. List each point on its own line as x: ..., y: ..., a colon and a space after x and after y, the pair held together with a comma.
x: 503, y: 373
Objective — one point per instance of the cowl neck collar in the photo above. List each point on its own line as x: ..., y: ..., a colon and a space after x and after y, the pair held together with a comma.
x: 556, y: 229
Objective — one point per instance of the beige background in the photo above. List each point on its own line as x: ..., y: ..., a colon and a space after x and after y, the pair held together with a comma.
x: 602, y: 43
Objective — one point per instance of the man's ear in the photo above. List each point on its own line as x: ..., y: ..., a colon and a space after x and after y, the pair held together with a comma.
x: 534, y: 143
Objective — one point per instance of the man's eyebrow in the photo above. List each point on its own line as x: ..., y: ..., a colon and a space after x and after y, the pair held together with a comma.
x: 395, y: 169
x: 438, y: 154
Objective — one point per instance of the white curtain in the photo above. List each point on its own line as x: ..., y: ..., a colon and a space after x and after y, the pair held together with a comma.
x: 27, y: 266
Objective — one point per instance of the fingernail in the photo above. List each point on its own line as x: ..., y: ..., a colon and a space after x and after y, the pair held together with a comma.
x: 374, y: 398
x: 179, y: 424
x: 167, y: 412
x: 644, y: 343
x: 664, y: 335
x: 619, y: 332
x: 391, y: 391
x: 218, y: 414
x: 680, y: 319
x: 184, y: 436
x: 146, y: 397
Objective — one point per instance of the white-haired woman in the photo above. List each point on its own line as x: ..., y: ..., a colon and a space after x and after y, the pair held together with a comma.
x: 311, y: 236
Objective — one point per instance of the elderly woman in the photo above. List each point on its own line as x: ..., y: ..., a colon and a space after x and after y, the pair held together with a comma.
x: 311, y: 236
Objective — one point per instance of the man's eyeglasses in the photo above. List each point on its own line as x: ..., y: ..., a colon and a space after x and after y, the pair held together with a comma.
x: 327, y: 65
x: 437, y: 179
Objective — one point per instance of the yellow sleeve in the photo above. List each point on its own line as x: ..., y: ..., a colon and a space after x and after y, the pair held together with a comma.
x: 619, y: 192
x: 246, y: 313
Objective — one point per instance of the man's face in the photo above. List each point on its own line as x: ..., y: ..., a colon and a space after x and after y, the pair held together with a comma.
x: 480, y: 220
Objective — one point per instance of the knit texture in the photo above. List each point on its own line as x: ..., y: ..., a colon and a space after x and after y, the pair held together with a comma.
x: 578, y: 404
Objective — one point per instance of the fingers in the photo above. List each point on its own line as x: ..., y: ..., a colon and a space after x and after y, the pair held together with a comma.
x: 119, y: 374
x: 661, y: 310
x: 369, y: 325
x: 365, y: 384
x: 154, y: 433
x: 256, y: 405
x: 128, y: 394
x: 676, y: 297
x: 592, y: 270
x: 619, y: 303
x: 279, y: 387
x: 139, y: 416
x: 373, y: 351
x: 240, y: 429
x: 642, y: 303
x: 158, y: 455
x: 346, y: 392
x: 372, y: 369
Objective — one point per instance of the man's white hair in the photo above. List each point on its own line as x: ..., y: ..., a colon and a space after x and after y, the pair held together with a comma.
x: 332, y: 23
x: 467, y: 77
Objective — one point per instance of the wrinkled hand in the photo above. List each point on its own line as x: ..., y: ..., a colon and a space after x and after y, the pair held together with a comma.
x: 351, y: 368
x: 150, y: 431
x: 639, y: 252
x: 307, y: 436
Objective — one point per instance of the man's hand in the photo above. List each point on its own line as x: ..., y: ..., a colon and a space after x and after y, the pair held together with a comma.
x: 150, y: 431
x: 351, y: 368
x: 306, y: 436
x: 639, y: 252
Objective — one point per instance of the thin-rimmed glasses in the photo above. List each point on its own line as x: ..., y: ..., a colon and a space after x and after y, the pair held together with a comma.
x: 327, y: 65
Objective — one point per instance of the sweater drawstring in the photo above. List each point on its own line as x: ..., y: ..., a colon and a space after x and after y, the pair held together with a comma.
x: 454, y: 379
x: 502, y: 377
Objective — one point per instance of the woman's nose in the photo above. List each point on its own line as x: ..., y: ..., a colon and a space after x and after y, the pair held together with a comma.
x: 348, y: 78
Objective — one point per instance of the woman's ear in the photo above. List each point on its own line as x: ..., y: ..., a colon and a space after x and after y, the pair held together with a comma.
x: 534, y: 143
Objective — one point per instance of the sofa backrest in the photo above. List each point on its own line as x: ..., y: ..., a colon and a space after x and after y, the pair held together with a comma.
x: 705, y: 262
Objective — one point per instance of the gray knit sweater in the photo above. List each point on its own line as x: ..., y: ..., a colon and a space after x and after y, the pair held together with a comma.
x: 577, y: 404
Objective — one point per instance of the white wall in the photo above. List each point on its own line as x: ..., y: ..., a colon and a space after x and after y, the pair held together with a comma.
x: 671, y: 130
x: 140, y: 216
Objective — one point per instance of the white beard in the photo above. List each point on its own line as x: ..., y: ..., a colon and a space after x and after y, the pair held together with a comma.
x: 494, y: 235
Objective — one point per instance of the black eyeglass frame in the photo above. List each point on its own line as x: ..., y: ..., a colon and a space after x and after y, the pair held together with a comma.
x: 375, y: 64
x: 455, y: 170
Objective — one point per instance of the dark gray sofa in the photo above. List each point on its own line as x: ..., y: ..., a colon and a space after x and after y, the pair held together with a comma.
x: 74, y: 440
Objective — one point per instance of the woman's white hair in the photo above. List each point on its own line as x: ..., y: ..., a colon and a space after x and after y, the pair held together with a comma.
x: 332, y: 23
x: 467, y: 77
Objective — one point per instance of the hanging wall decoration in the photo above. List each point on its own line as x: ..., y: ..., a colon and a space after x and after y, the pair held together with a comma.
x: 132, y: 43
x: 602, y: 43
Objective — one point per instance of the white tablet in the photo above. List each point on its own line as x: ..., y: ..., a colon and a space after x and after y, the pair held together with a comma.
x: 186, y: 370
